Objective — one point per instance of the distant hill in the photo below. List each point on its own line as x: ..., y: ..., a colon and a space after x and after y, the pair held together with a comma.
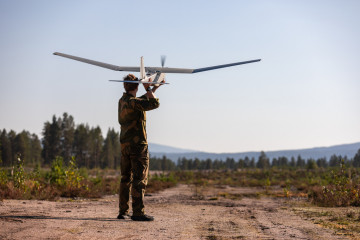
x: 349, y: 150
x: 159, y: 148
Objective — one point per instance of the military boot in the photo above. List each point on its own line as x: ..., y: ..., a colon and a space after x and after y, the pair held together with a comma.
x: 142, y: 218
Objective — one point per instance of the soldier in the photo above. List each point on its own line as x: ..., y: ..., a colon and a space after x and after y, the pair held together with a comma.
x: 134, y: 148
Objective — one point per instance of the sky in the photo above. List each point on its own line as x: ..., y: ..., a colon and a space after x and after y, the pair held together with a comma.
x: 304, y: 93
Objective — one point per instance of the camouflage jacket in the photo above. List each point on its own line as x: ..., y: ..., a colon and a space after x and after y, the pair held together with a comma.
x: 132, y: 117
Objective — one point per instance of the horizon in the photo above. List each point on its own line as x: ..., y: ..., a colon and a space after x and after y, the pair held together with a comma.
x: 255, y: 151
x: 193, y: 150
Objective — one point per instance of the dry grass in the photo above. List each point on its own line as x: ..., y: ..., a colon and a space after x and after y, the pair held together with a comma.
x: 344, y: 220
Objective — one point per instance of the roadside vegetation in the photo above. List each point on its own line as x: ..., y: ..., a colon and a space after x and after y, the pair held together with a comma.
x: 66, y: 181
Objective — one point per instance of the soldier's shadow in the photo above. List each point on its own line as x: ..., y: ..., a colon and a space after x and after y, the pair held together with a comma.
x: 19, y: 217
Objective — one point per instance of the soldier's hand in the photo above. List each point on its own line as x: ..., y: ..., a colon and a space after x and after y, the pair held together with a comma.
x: 146, y: 85
x: 156, y: 87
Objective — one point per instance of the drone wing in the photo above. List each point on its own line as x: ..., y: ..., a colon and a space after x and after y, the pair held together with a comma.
x: 152, y: 69
x: 100, y: 64
x: 127, y: 69
x: 188, y: 70
x: 224, y: 66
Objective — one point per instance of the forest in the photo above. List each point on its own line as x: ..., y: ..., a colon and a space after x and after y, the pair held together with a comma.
x: 61, y: 137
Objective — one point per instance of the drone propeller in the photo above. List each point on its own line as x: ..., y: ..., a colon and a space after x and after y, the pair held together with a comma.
x: 163, y: 59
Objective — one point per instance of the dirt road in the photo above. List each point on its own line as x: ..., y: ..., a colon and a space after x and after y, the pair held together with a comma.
x: 178, y: 215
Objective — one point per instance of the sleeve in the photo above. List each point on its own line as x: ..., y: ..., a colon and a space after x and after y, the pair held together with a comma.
x: 146, y: 104
x: 143, y: 96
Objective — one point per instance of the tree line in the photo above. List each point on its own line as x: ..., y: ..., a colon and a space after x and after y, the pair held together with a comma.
x: 263, y: 162
x: 62, y: 137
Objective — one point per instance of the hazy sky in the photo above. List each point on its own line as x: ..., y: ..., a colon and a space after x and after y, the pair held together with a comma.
x: 304, y: 92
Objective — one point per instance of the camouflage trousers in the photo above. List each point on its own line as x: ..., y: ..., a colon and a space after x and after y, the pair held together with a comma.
x: 134, y: 172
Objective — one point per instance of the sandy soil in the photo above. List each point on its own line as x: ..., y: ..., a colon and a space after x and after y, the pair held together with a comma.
x: 179, y: 214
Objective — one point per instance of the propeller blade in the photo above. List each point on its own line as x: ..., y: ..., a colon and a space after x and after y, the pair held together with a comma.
x: 163, y: 59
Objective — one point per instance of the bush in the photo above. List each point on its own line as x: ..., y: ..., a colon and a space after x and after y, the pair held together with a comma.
x: 343, y: 190
x: 57, y: 173
x: 19, y: 175
x: 3, y: 177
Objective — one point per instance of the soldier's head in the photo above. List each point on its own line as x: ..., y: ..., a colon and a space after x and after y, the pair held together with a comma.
x: 130, y: 86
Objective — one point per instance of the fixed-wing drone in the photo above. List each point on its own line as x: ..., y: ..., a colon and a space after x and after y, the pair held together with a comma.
x: 156, y: 74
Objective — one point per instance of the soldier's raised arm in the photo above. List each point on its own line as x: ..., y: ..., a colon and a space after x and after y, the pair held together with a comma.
x: 145, y: 104
x: 149, y: 93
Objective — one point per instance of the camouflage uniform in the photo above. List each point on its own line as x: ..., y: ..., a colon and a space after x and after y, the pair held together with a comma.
x: 134, y: 151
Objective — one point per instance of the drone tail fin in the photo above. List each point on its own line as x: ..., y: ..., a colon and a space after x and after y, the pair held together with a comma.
x: 142, y: 68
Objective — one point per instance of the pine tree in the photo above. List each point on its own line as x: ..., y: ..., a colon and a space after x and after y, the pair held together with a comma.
x: 96, y: 145
x: 67, y: 137
x: 108, y: 152
x: 252, y: 163
x: 81, y: 145
x: 356, y: 162
x: 208, y: 164
x: 311, y: 164
x: 22, y: 146
x: 196, y: 164
x: 247, y: 162
x: 13, y: 158
x: 111, y: 150
x: 334, y: 161
x: 6, y: 152
x: 51, y: 140
x: 241, y: 163
x: 230, y: 163
x: 35, y: 155
x: 283, y: 162
x: 115, y: 140
x: 292, y: 162
x: 274, y: 162
x: 300, y: 162
x: 263, y: 161
x: 321, y: 162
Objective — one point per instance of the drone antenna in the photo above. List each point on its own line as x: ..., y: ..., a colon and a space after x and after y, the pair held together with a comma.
x: 163, y: 59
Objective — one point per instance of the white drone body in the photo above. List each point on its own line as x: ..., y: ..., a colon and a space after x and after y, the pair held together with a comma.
x: 152, y: 75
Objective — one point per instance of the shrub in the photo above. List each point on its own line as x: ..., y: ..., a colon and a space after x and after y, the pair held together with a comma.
x: 57, y: 173
x: 3, y: 177
x: 343, y: 190
x: 19, y: 174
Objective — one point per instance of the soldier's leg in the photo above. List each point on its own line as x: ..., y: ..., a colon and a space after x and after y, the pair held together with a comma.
x: 125, y: 165
x: 140, y: 169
